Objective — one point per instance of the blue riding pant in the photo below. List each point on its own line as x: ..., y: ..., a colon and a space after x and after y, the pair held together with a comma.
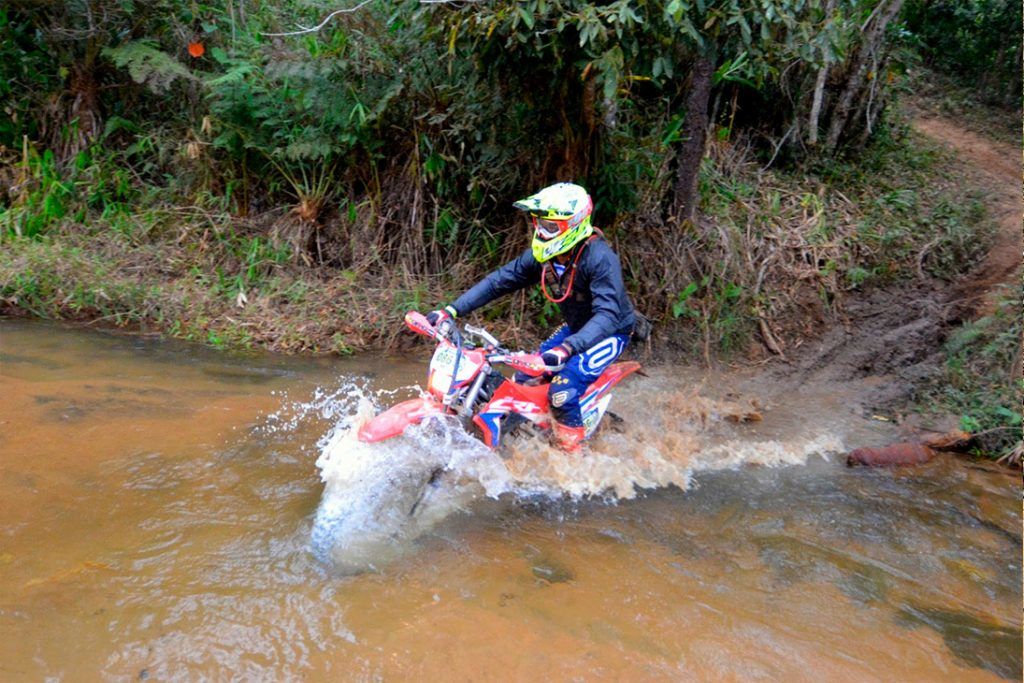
x: 580, y: 371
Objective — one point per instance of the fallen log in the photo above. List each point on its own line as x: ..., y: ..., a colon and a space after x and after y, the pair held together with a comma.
x: 896, y: 454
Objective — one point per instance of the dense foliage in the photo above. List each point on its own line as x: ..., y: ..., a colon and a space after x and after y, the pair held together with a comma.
x: 977, y: 41
x: 982, y: 381
x: 397, y: 133
x: 401, y: 130
x: 738, y: 151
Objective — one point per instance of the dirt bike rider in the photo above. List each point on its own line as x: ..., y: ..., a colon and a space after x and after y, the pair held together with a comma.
x: 578, y: 271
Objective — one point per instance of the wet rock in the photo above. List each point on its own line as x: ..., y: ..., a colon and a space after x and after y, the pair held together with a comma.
x: 895, y: 454
x: 747, y: 416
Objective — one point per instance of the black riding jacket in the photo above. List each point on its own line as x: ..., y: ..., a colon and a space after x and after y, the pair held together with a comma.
x: 596, y: 308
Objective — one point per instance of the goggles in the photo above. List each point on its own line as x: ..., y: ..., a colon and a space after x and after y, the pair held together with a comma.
x: 547, y: 228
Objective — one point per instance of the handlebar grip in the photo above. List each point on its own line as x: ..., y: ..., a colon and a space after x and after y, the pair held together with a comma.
x: 418, y: 323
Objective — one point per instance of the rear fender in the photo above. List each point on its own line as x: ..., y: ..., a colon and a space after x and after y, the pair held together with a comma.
x: 595, y: 400
x: 393, y: 421
x: 613, y: 374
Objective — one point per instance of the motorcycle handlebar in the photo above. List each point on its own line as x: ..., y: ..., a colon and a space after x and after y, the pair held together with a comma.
x: 528, y: 363
x: 418, y: 323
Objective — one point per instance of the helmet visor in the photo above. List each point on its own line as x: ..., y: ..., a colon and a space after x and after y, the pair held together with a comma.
x: 548, y: 229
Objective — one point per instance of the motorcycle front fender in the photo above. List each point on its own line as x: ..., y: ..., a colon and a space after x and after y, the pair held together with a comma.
x: 393, y: 421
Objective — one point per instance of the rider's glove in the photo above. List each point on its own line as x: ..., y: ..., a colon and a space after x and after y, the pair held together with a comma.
x: 441, y: 319
x: 556, y: 357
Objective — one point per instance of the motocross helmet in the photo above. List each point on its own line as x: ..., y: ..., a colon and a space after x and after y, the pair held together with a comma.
x: 560, y: 217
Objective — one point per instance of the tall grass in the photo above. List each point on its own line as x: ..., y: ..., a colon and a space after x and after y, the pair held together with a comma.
x: 982, y: 380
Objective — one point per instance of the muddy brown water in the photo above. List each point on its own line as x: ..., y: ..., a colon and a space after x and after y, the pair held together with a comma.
x: 156, y: 502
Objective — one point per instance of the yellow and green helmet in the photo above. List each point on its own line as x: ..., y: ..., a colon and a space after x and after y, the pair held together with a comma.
x: 560, y: 216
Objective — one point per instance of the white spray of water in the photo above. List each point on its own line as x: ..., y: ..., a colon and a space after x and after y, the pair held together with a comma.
x: 378, y: 498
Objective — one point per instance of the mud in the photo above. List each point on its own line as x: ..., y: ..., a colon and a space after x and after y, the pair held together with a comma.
x: 889, y: 342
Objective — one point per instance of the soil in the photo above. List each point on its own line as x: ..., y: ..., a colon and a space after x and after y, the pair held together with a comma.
x: 892, y: 339
x: 996, y: 165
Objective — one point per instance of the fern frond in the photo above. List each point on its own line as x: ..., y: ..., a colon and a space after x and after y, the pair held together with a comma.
x: 148, y: 65
x: 236, y: 74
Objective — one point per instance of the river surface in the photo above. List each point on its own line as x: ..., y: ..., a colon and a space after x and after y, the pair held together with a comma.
x: 157, y: 501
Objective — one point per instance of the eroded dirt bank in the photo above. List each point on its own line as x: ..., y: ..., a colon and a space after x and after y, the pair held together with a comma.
x: 890, y: 340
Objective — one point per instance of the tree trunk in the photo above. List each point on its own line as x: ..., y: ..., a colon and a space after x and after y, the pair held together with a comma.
x: 684, y: 206
x: 868, y: 48
x: 819, y: 88
x: 819, y: 93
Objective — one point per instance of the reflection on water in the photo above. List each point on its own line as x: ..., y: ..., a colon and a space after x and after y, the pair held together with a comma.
x: 157, y: 500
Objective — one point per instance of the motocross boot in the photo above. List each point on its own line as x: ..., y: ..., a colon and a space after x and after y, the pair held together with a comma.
x: 565, y: 438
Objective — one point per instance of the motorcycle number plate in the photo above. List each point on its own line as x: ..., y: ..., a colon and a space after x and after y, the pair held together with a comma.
x: 442, y: 368
x: 444, y: 359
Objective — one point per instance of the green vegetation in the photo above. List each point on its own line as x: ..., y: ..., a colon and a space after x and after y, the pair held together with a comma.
x: 967, y: 62
x: 784, y: 238
x: 399, y: 131
x: 982, y: 381
x: 976, y: 42
x: 204, y: 275
x: 211, y: 171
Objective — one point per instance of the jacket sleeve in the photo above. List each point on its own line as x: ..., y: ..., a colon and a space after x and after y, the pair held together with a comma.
x: 606, y: 286
x: 511, y: 277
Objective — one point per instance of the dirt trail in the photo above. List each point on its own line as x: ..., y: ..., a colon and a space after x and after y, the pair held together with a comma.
x: 892, y: 339
x: 997, y: 165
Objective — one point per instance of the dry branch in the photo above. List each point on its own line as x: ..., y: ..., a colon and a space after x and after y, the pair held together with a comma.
x: 302, y: 30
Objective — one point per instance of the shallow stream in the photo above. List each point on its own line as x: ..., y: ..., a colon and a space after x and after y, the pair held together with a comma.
x: 157, y: 503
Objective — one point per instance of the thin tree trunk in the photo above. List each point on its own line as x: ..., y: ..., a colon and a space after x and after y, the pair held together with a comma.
x: 819, y: 93
x: 819, y: 88
x: 868, y: 48
x: 695, y: 128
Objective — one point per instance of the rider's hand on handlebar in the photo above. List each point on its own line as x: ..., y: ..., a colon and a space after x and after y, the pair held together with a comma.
x: 556, y: 357
x: 442, y: 319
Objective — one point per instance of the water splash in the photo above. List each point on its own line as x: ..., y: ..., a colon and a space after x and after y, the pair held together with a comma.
x: 379, y: 498
x: 337, y: 407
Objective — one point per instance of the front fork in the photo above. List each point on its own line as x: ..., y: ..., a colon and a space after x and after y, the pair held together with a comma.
x: 469, y: 402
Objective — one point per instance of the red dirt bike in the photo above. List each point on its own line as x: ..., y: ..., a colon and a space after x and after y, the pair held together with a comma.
x: 463, y: 382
